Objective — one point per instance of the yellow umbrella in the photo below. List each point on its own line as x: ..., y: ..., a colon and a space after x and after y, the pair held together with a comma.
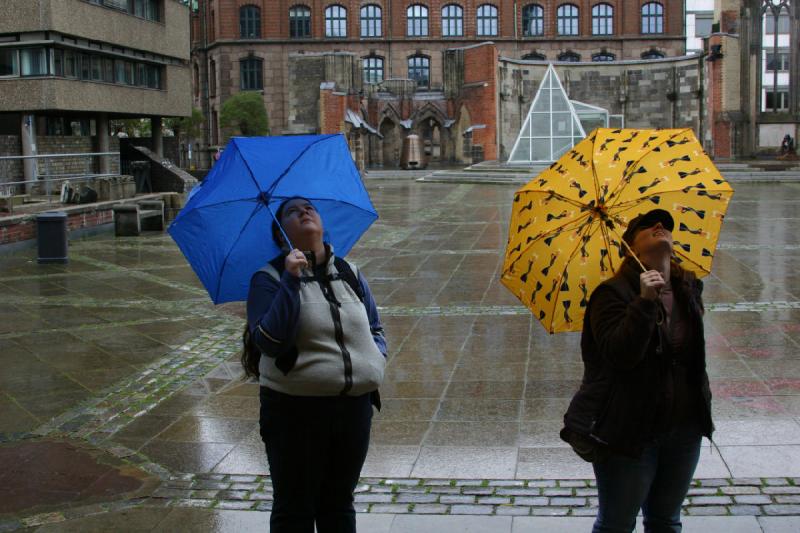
x: 565, y: 235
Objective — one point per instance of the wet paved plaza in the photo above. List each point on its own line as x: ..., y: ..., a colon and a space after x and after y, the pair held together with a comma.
x: 121, y: 350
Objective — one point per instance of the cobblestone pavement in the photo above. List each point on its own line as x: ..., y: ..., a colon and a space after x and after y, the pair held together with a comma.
x: 122, y: 350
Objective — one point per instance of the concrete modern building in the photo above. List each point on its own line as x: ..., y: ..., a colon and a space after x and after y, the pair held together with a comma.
x: 699, y: 22
x: 68, y: 67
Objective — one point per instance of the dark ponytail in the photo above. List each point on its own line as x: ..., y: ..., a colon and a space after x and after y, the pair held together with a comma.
x: 251, y: 355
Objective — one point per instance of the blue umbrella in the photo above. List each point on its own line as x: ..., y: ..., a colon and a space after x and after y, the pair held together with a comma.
x: 224, y: 228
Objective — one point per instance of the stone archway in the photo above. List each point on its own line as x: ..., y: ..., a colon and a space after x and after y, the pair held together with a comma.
x: 391, y: 144
x: 430, y: 129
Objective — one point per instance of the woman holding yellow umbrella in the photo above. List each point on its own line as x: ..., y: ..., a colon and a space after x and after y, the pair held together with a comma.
x: 644, y: 404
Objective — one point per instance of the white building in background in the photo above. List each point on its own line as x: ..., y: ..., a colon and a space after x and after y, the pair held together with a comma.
x: 699, y: 18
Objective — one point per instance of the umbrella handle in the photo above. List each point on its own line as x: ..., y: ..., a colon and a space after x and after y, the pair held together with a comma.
x: 285, y: 237
x: 630, y: 251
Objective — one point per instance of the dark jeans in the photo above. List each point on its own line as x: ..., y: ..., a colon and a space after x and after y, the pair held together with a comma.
x: 316, y: 447
x: 657, y: 483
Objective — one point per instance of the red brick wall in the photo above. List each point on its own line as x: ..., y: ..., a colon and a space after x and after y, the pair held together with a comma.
x: 23, y: 229
x: 481, y: 99
x: 331, y: 111
x: 720, y: 128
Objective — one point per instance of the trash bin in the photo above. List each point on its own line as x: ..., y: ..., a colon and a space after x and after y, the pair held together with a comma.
x: 141, y: 175
x: 51, y: 237
x: 413, y: 154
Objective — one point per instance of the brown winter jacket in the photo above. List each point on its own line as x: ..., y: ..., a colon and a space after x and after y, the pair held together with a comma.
x: 626, y: 394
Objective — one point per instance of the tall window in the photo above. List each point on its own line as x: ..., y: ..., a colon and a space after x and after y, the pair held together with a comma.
x: 212, y: 78
x: 252, y: 74
x: 778, y: 62
x: 604, y: 56
x: 776, y: 37
x: 602, y: 20
x: 371, y: 21
x: 487, y: 20
x: 452, y: 21
x: 653, y: 18
x: 567, y: 20
x: 250, y: 22
x: 532, y: 20
x: 419, y: 68
x: 784, y: 23
x: 299, y: 22
x: 373, y: 69
x: 335, y: 21
x: 417, y: 18
x: 569, y: 56
x: 777, y: 100
x: 8, y: 62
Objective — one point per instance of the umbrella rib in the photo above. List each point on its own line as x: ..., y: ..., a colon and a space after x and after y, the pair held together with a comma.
x: 594, y: 168
x: 561, y: 277
x: 228, y: 254
x: 554, y: 194
x: 543, y: 236
x: 623, y: 183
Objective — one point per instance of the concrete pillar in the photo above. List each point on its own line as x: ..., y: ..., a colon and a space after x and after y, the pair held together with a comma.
x: 158, y: 140
x: 28, y: 141
x: 103, y: 142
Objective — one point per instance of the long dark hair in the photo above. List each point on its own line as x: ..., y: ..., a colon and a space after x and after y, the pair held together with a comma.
x: 251, y: 355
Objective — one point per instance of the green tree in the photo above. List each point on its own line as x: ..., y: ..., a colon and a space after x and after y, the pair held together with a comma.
x: 190, y: 127
x: 245, y: 114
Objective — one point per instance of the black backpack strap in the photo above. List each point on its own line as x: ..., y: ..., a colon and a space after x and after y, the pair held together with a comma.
x: 346, y: 273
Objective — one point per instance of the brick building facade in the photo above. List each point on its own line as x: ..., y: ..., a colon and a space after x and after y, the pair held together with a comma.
x: 369, y: 50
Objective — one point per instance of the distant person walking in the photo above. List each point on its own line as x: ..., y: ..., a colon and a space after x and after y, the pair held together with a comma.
x: 315, y: 340
x: 644, y: 403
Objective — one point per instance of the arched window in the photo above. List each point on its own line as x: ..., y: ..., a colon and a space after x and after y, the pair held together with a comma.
x: 299, y: 22
x: 335, y: 21
x: 419, y: 69
x: 567, y: 20
x: 250, y: 22
x: 417, y: 18
x: 653, y: 18
x: 532, y: 20
x: 572, y: 57
x: 602, y: 20
x: 487, y: 20
x: 371, y: 21
x: 534, y: 56
x: 252, y: 78
x: 372, y: 68
x: 652, y: 54
x: 452, y: 21
x: 604, y: 56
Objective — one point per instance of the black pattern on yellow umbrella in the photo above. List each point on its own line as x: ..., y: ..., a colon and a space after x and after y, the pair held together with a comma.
x: 565, y: 233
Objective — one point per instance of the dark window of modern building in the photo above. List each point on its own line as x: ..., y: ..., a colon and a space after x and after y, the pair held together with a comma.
x: 653, y: 18
x: 373, y: 69
x: 702, y: 24
x: 417, y: 18
x: 70, y: 64
x: 86, y: 66
x: 299, y: 22
x: 572, y: 57
x: 33, y: 62
x: 249, y: 22
x: 251, y: 74
x: 452, y: 21
x: 567, y: 20
x: 602, y: 19
x: 532, y: 20
x: 335, y: 21
x: 533, y: 56
x: 9, y: 64
x: 487, y: 20
x: 778, y: 100
x: 371, y: 21
x: 652, y: 54
x: 604, y: 56
x: 784, y: 22
x: 778, y: 62
x: 419, y: 69
x: 147, y: 9
x: 141, y: 75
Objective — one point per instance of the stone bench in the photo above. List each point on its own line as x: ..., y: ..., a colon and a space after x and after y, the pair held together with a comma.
x: 131, y: 219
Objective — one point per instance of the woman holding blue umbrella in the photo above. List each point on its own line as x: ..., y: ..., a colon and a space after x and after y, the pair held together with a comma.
x: 315, y: 341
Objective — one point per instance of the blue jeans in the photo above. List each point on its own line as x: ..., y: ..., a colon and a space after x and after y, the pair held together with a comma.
x: 656, y: 483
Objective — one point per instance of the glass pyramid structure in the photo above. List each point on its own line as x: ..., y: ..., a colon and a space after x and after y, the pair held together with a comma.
x: 551, y: 127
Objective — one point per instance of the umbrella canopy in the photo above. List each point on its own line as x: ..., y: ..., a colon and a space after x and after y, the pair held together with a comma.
x: 224, y: 229
x: 565, y: 235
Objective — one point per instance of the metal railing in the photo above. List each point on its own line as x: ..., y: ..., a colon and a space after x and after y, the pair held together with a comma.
x: 49, y: 176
